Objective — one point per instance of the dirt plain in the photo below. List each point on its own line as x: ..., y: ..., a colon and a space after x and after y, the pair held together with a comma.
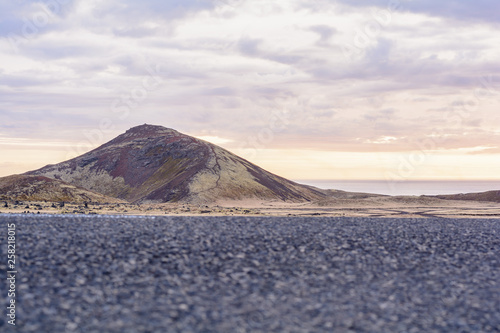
x: 383, y: 206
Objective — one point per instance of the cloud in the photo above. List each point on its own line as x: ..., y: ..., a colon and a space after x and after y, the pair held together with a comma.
x: 232, y: 68
x: 480, y: 11
x: 325, y: 32
x: 249, y: 47
x: 485, y: 150
x: 380, y: 115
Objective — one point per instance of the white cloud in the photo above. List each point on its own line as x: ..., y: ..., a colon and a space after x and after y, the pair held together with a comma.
x: 228, y: 67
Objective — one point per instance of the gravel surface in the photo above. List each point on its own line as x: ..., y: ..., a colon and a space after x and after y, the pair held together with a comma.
x: 259, y: 274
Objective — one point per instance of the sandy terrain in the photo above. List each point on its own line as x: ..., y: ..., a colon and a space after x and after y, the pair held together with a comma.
x: 368, y: 207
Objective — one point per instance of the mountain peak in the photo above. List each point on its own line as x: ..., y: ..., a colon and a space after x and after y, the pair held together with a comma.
x: 148, y: 130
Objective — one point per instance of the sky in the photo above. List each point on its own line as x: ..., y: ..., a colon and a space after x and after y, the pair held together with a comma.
x: 322, y: 89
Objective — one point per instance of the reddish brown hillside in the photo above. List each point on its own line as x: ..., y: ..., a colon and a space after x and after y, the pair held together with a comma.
x: 156, y: 164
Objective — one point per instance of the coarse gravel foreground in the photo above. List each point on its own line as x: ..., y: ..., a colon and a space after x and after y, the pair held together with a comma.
x: 253, y: 274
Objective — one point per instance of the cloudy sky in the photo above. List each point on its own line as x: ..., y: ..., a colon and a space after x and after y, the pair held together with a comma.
x: 322, y: 89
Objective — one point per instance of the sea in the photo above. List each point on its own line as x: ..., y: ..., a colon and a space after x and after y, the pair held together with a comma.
x: 409, y: 187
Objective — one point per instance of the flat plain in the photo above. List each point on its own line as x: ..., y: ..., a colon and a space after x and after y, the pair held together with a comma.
x: 360, y: 205
x: 254, y: 274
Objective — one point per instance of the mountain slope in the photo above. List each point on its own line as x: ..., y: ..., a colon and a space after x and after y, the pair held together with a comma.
x: 39, y: 188
x: 492, y: 196
x: 156, y: 164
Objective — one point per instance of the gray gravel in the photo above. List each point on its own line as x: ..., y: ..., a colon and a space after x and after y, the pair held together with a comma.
x: 239, y: 274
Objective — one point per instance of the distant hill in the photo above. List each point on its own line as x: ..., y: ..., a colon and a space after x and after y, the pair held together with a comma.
x: 156, y: 164
x: 39, y: 188
x: 492, y: 196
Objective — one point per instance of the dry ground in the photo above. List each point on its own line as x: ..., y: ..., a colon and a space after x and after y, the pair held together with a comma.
x: 368, y: 207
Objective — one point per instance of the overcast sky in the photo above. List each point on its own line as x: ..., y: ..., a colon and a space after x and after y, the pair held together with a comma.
x: 380, y: 89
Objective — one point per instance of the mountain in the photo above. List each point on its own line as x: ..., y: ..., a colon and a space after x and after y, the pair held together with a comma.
x: 492, y: 196
x: 39, y: 188
x: 156, y: 164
